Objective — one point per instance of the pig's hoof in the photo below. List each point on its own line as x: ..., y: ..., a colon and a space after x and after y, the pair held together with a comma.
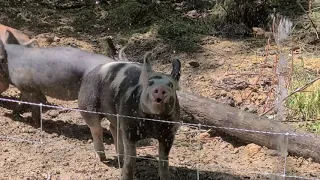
x: 36, y: 124
x: 102, y: 157
x: 119, y: 161
x: 16, y: 113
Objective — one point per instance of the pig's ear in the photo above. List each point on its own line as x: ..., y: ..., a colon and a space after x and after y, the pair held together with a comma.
x: 176, y: 68
x: 146, y: 70
x: 10, y: 38
x: 112, y: 49
x: 122, y: 55
x: 3, y: 53
x: 31, y: 43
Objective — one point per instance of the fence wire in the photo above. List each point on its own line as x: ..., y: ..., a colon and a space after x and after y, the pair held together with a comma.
x: 198, y: 127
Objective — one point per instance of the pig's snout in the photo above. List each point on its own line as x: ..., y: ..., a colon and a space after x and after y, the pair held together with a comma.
x: 159, y: 94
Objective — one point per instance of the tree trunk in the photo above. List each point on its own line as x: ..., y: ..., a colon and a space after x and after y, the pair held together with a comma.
x: 211, y: 113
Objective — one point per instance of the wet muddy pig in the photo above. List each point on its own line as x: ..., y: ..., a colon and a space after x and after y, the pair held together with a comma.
x: 20, y: 38
x: 132, y: 90
x: 54, y: 71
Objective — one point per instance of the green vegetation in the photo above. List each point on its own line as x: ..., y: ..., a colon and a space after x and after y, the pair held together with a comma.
x: 313, y: 126
x: 305, y: 105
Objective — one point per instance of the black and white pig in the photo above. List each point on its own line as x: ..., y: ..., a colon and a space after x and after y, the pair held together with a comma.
x: 39, y: 72
x: 130, y: 90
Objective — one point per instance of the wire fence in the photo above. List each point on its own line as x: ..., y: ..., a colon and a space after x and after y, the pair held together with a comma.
x: 199, y: 129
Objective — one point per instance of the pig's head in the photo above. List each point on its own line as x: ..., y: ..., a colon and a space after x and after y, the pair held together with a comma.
x: 11, y: 39
x: 158, y: 94
x: 3, y: 53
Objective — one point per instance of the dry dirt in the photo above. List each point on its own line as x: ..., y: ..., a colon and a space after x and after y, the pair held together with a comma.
x: 228, y: 71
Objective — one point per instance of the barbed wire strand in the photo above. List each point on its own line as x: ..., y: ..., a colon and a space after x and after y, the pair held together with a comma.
x: 8, y: 138
x: 163, y: 121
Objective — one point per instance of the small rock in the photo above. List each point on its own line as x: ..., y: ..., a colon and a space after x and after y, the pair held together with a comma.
x: 204, y: 135
x: 236, y: 151
x: 5, y: 150
x: 149, y: 156
x: 54, y: 135
x: 72, y: 45
x: 220, y: 63
x: 265, y: 82
x: 232, y: 83
x: 194, y: 64
x: 212, y: 66
x: 65, y: 164
x: 201, y: 78
x: 252, y: 149
x: 184, y: 128
x: 262, y: 97
x: 30, y: 131
x: 90, y: 141
x: 250, y: 109
x: 312, y: 174
x: 192, y: 14
x: 54, y: 113
x: 231, y: 102
x: 56, y: 39
x: 271, y: 152
x: 223, y: 93
x: 228, y: 100
x: 11, y: 160
x: 50, y: 39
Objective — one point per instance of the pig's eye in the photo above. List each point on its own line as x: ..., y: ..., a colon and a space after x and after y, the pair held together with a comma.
x: 170, y: 85
x: 151, y: 83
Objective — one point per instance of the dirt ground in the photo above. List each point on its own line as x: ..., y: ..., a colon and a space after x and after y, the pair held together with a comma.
x: 228, y: 71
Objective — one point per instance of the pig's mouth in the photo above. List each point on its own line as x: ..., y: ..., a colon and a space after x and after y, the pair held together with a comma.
x: 159, y: 100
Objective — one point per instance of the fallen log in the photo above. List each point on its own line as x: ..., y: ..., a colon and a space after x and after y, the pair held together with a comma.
x: 250, y: 127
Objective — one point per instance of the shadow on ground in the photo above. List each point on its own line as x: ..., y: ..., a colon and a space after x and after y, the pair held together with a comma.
x: 70, y: 130
x: 148, y: 169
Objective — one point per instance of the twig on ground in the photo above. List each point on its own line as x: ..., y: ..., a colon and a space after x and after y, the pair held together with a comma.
x: 300, y: 89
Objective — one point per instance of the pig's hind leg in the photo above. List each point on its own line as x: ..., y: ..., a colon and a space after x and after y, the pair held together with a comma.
x: 94, y: 123
x: 89, y: 102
